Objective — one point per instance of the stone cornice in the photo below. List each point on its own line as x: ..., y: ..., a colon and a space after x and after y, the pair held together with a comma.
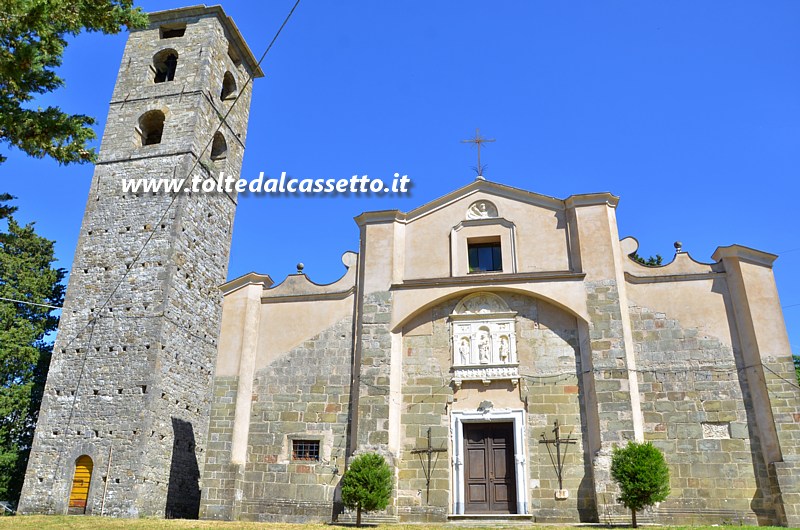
x: 479, y: 280
x: 478, y: 185
x: 631, y: 278
x: 380, y: 216
x: 491, y: 188
x: 251, y: 278
x: 298, y: 287
x: 314, y: 297
x: 592, y: 199
x: 747, y: 254
x: 484, y: 222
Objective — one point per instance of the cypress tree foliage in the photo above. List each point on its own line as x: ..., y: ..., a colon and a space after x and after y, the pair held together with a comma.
x: 367, y: 484
x: 32, y: 40
x: 796, y: 359
x: 26, y: 273
x: 642, y: 475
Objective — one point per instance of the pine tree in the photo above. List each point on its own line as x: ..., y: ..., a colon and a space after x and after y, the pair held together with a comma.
x: 32, y: 41
x: 642, y: 475
x: 27, y: 274
x: 652, y: 261
x: 367, y: 484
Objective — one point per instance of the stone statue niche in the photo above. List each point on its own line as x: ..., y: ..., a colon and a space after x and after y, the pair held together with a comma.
x: 484, y: 340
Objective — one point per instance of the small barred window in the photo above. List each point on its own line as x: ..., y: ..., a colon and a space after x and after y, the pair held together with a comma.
x: 306, y: 450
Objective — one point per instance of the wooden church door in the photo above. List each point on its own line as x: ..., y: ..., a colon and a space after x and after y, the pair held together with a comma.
x: 80, y: 485
x: 489, y: 456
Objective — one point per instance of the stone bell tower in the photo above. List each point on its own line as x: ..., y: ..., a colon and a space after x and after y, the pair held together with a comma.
x: 122, y: 428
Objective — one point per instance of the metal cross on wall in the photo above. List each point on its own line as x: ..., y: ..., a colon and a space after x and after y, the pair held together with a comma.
x: 478, y: 141
x: 558, y: 441
x: 430, y: 450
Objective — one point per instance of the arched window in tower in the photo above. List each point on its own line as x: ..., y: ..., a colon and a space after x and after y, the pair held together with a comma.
x: 81, y: 481
x: 151, y: 127
x: 164, y: 64
x: 219, y: 147
x: 228, y: 87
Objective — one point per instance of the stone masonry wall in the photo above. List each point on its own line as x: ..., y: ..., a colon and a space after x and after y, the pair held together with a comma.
x: 609, y: 375
x: 695, y: 401
x: 375, y: 359
x: 302, y: 395
x: 221, y: 477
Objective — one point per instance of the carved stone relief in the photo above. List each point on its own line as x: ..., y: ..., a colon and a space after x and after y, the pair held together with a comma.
x: 481, y: 210
x: 484, y: 340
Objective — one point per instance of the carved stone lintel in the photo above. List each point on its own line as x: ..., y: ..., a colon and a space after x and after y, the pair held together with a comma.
x: 486, y: 374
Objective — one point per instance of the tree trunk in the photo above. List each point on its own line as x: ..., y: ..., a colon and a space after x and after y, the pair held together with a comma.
x: 633, y: 519
x: 358, y: 515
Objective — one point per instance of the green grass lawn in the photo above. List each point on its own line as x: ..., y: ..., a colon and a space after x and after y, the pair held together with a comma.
x: 53, y: 522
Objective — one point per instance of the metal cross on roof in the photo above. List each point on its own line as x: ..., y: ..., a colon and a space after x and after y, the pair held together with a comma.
x: 478, y: 141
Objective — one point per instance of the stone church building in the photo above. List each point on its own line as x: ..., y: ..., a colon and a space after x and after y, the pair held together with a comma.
x: 494, y: 344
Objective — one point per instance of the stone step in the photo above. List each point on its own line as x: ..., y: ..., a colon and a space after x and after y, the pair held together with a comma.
x: 490, y: 520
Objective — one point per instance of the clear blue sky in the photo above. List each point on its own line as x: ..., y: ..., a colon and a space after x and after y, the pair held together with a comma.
x: 689, y: 111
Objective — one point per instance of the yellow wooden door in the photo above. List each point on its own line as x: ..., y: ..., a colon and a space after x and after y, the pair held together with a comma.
x: 80, y: 482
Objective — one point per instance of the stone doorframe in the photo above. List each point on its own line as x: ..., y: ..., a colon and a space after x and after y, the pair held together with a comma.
x: 457, y: 420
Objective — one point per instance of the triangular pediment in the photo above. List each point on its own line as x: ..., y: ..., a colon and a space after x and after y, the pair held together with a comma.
x: 482, y: 187
x: 488, y: 188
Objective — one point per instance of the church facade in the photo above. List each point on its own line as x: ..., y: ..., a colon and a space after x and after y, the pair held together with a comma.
x: 494, y: 345
x: 510, y: 337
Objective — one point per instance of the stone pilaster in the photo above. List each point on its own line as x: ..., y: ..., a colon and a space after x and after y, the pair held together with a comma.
x: 768, y: 367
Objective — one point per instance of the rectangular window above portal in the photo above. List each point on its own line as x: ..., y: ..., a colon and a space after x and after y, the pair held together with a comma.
x: 483, y: 246
x: 485, y: 255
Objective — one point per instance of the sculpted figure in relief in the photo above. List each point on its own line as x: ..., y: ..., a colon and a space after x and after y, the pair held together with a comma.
x: 503, y: 349
x: 463, y: 350
x: 484, y: 347
x: 480, y: 305
x: 478, y: 211
x: 481, y: 210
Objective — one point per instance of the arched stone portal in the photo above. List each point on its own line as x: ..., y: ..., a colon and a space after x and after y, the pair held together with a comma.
x: 526, y: 378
